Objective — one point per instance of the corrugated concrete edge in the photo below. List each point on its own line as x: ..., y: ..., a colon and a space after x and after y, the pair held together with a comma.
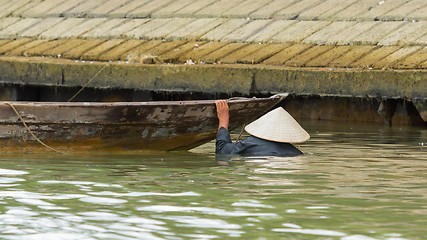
x: 230, y: 79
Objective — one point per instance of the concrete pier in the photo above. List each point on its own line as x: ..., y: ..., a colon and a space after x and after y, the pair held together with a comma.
x: 374, y: 49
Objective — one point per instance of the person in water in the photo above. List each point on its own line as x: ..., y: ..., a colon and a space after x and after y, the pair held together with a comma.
x: 271, y: 134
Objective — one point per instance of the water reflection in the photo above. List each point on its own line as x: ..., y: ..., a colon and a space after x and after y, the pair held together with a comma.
x: 354, y: 182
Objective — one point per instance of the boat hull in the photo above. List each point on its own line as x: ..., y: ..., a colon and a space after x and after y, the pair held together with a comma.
x: 120, y: 126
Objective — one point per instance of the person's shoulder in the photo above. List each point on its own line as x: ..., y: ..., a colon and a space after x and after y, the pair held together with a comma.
x: 257, y: 139
x: 252, y: 140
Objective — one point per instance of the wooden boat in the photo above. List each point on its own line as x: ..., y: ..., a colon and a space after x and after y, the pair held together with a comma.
x: 86, y: 126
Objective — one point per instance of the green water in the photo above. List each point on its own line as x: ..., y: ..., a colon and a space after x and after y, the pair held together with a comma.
x: 354, y: 182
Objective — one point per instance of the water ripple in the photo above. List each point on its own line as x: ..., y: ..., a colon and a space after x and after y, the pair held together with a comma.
x: 204, y: 210
x: 319, y: 232
x: 140, y: 220
x: 11, y: 172
x: 358, y: 237
x: 190, y: 221
x: 52, y: 235
x: 36, y: 202
x: 10, y: 180
x: 100, y: 216
x: 79, y: 183
x: 251, y: 203
x: 102, y: 200
x: 31, y: 195
x: 140, y: 194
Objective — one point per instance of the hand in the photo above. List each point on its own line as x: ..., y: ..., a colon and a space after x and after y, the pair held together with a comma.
x: 222, y: 113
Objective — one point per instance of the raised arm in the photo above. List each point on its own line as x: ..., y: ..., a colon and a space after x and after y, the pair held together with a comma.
x: 224, y: 145
x: 222, y: 113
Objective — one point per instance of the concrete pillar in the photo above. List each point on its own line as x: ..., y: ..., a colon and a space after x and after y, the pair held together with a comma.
x: 8, y: 93
x: 386, y: 109
x: 421, y: 105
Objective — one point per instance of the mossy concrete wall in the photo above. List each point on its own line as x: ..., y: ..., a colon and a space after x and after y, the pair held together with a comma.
x: 229, y: 79
x: 359, y: 83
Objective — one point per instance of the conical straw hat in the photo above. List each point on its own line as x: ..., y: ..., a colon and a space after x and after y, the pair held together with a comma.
x: 278, y: 126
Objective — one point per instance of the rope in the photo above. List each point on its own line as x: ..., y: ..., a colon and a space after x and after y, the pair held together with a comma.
x: 85, y: 85
x: 31, y: 132
x: 77, y: 93
x: 238, y: 138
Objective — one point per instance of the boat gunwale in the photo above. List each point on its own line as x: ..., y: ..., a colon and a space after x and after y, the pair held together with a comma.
x: 149, y: 103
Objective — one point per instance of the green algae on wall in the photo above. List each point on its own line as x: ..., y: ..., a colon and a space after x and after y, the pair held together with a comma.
x: 243, y: 79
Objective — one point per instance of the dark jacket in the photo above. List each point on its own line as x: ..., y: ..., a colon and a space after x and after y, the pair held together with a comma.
x: 253, y: 146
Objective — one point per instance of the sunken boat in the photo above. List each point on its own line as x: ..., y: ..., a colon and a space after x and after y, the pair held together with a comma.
x: 120, y: 126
